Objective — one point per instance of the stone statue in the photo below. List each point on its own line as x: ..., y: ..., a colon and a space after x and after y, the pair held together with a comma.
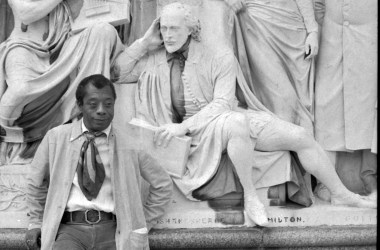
x: 186, y: 88
x: 346, y: 91
x: 41, y: 64
x: 275, y: 42
x: 281, y: 39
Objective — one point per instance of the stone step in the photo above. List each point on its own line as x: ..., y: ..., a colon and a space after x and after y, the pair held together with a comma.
x: 322, y: 237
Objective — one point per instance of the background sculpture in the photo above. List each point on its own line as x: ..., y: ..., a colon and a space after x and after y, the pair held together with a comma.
x: 275, y: 42
x: 39, y: 71
x: 346, y: 91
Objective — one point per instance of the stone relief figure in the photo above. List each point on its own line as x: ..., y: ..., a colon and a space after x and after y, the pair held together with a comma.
x: 346, y: 91
x: 41, y: 64
x: 187, y: 89
x: 275, y: 42
x: 281, y: 39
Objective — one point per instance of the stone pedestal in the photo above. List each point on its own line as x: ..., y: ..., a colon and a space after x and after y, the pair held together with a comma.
x: 183, y: 213
x: 13, y: 209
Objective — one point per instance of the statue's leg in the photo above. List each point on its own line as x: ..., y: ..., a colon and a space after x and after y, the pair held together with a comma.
x: 21, y: 66
x: 282, y: 135
x: 240, y: 148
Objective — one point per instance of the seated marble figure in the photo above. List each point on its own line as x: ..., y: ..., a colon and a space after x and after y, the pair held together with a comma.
x: 41, y: 63
x: 186, y: 89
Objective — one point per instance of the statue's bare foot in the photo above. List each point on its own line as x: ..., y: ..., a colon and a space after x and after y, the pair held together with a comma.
x: 256, y: 210
x: 353, y: 200
x: 322, y: 192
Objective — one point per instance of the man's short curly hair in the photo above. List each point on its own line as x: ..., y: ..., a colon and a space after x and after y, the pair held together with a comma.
x: 191, y: 21
x: 99, y: 81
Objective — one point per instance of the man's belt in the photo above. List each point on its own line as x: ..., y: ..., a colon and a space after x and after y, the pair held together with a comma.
x: 90, y: 216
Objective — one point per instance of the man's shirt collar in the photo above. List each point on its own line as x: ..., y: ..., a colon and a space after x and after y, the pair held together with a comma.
x: 85, y: 129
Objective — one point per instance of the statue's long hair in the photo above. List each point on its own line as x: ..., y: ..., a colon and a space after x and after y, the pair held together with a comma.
x: 191, y: 21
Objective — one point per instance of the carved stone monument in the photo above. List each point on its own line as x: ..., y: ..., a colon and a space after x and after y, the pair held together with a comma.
x: 216, y: 20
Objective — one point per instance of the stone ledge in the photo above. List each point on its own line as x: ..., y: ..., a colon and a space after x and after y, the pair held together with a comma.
x: 322, y: 237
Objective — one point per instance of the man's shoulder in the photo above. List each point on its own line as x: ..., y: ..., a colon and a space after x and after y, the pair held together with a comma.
x: 61, y: 130
x: 125, y: 140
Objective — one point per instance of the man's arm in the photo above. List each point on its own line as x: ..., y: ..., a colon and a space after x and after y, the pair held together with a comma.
x: 29, y: 11
x: 160, y: 189
x: 37, y: 184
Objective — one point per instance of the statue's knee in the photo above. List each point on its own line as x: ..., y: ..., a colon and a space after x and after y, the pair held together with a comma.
x: 103, y: 31
x: 237, y: 125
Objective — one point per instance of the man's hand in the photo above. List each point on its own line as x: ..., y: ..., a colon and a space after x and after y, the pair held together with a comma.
x: 311, y: 45
x: 236, y: 5
x: 164, y: 134
x: 152, y: 38
x: 33, y: 239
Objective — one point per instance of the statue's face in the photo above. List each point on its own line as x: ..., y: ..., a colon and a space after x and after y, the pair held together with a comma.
x: 97, y: 107
x: 174, y: 30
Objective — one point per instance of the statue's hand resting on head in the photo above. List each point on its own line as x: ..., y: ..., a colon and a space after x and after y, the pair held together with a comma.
x: 152, y: 37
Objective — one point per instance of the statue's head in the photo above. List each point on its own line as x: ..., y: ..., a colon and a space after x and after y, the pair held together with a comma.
x: 96, y: 99
x: 177, y: 24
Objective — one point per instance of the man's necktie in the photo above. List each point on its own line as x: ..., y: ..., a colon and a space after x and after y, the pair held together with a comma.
x: 90, y: 169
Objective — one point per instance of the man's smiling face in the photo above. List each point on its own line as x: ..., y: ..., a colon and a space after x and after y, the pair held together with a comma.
x: 97, y: 107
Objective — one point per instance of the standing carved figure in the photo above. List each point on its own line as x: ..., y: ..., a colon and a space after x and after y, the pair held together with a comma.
x: 346, y: 89
x: 280, y: 38
x: 275, y: 42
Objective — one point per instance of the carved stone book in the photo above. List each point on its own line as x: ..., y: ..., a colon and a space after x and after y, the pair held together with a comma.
x: 115, y: 12
x: 173, y: 158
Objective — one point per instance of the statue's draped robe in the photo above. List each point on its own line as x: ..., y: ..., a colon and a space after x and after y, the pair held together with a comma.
x: 208, y: 163
x: 268, y: 39
x: 269, y: 43
x: 346, y: 82
x: 38, y: 81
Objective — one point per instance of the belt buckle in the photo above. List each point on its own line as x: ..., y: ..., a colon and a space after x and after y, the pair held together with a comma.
x: 92, y: 222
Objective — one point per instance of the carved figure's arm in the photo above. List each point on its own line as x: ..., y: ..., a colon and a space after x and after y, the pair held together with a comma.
x: 224, y: 77
x: 160, y: 189
x: 320, y: 8
x: 307, y: 12
x: 37, y: 184
x: 29, y: 11
x: 131, y: 62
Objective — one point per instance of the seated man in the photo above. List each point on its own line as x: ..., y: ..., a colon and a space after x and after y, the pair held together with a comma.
x: 186, y: 89
x: 85, y: 181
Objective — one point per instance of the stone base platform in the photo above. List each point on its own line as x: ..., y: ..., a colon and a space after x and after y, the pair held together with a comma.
x: 322, y: 237
x: 183, y: 213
